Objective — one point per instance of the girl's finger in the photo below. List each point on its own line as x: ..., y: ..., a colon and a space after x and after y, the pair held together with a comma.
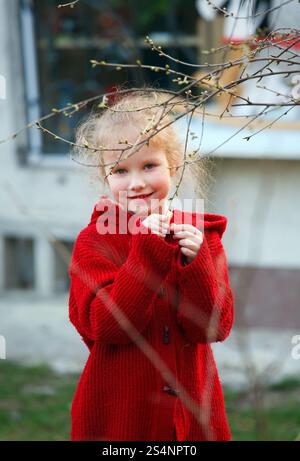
x: 184, y: 234
x: 185, y: 227
x: 156, y: 232
x: 189, y: 235
x: 189, y: 244
x: 161, y: 226
x: 158, y: 229
x: 188, y: 252
x: 152, y: 224
x: 164, y: 221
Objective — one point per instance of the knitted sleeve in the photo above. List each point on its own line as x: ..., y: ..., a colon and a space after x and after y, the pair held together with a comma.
x: 106, y: 301
x: 206, y: 302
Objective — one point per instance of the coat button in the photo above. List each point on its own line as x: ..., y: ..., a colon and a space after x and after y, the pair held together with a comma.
x: 170, y: 391
x: 166, y: 335
x: 161, y: 292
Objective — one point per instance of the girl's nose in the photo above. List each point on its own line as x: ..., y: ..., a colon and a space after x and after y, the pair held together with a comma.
x: 137, y: 183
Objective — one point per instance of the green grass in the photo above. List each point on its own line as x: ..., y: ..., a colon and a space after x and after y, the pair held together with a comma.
x: 27, y: 412
x: 35, y: 405
x: 276, y: 417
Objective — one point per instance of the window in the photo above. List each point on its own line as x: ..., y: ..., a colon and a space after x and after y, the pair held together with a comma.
x: 59, y: 43
x: 19, y: 263
x: 61, y: 275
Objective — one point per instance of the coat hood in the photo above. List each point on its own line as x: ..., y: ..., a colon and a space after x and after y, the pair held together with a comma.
x: 203, y: 221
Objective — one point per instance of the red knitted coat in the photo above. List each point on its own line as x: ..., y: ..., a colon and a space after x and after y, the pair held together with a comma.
x: 148, y: 321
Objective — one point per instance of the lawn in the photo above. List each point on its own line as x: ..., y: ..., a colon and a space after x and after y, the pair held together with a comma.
x: 35, y: 405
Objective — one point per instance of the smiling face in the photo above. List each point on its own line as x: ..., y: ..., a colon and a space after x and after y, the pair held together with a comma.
x: 144, y: 176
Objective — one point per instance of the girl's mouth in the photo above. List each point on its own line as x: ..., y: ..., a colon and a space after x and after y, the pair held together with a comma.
x: 142, y: 196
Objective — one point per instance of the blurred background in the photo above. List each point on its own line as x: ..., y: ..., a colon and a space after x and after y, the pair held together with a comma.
x: 46, y: 199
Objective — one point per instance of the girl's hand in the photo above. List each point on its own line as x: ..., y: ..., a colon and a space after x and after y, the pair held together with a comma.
x: 190, y: 241
x: 158, y: 223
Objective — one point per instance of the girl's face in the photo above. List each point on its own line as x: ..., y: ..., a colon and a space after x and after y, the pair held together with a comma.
x: 146, y: 175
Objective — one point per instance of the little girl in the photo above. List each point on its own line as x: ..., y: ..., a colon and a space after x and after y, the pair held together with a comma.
x: 149, y: 290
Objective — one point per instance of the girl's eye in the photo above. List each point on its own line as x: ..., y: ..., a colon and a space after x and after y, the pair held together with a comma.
x: 150, y: 165
x: 122, y: 170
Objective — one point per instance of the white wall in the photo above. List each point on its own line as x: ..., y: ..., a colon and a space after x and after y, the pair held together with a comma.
x: 261, y: 200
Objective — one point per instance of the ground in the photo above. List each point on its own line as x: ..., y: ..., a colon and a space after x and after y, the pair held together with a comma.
x: 35, y: 405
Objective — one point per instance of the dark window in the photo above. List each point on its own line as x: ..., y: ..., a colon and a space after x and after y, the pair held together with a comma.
x: 61, y: 275
x: 19, y: 263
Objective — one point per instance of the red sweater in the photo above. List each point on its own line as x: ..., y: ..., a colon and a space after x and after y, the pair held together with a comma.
x: 148, y: 321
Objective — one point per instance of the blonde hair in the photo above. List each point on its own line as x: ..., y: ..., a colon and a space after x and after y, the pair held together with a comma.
x: 151, y: 113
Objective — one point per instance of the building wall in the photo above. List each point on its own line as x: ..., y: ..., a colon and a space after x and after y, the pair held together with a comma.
x: 260, y: 199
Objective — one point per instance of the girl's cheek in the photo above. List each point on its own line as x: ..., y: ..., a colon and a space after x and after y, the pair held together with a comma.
x: 119, y: 183
x: 158, y: 177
